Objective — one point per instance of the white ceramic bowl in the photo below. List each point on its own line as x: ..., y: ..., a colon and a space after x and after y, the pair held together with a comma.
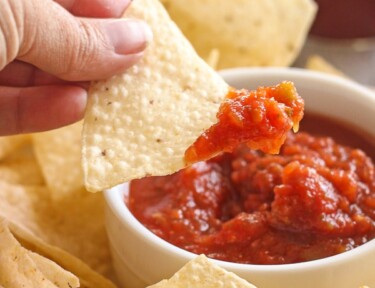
x: 141, y: 258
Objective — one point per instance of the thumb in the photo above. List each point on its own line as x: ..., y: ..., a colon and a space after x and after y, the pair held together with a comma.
x: 44, y: 34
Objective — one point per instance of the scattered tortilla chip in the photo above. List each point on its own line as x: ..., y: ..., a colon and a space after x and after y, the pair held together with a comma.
x: 247, y: 32
x: 24, y: 171
x: 21, y: 268
x: 75, y: 224
x: 78, y: 227
x: 213, y: 58
x: 88, y: 278
x: 54, y: 272
x: 318, y: 63
x: 59, y: 156
x: 141, y: 122
x: 202, y: 273
x: 9, y: 144
x: 24, y: 152
x: 24, y: 205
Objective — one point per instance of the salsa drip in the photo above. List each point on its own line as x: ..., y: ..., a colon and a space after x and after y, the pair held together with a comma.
x: 260, y: 118
x: 315, y: 199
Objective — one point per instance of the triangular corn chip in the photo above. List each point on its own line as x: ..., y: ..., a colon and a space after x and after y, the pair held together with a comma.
x: 318, y: 63
x: 59, y: 156
x: 247, y: 33
x: 20, y: 267
x: 202, y: 273
x: 9, y: 144
x: 21, y: 171
x: 141, y: 122
x: 53, y: 272
x: 88, y: 278
x: 59, y: 230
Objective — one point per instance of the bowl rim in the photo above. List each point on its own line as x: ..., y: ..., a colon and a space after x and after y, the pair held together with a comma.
x: 299, y: 73
x: 115, y: 200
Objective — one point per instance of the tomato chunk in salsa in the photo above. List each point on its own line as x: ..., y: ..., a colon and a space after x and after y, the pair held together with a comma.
x: 314, y: 199
x: 260, y: 118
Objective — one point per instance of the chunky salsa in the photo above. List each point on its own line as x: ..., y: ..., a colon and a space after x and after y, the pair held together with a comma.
x: 260, y: 118
x: 314, y: 199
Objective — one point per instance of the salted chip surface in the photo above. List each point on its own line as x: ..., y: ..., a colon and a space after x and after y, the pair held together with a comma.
x: 246, y: 32
x: 87, y: 277
x: 202, y: 273
x: 53, y: 272
x: 19, y: 267
x: 74, y: 224
x: 141, y: 122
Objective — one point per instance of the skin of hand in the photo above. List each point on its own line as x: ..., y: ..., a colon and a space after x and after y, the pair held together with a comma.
x: 49, y: 50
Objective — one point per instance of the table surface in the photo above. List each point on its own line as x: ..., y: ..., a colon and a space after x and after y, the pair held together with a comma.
x: 356, y: 58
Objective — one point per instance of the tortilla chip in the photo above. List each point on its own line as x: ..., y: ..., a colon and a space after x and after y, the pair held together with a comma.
x: 141, y: 122
x: 88, y: 278
x: 9, y: 144
x: 53, y: 272
x: 24, y: 205
x: 75, y: 224
x: 21, y: 171
x: 318, y: 63
x: 247, y: 32
x: 22, y: 268
x: 200, y: 272
x: 78, y: 227
x: 213, y: 58
x: 59, y: 156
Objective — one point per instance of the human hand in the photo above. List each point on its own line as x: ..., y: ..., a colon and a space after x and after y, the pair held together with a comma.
x: 48, y: 52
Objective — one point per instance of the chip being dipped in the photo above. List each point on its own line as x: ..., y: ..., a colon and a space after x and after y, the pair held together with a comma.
x: 141, y: 123
x: 246, y: 32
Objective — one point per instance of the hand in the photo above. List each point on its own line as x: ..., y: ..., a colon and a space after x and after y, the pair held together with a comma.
x: 47, y: 53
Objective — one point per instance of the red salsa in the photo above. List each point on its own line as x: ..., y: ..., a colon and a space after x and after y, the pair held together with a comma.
x: 260, y: 118
x: 314, y: 199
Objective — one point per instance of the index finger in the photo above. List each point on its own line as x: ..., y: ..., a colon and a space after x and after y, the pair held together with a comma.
x: 95, y: 8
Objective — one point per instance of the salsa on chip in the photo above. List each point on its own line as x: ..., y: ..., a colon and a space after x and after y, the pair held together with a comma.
x: 259, y: 118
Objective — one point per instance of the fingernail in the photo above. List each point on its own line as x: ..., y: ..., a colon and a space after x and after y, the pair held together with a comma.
x: 128, y: 36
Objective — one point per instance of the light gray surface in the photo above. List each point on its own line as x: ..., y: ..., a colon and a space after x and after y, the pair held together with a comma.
x: 356, y: 58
